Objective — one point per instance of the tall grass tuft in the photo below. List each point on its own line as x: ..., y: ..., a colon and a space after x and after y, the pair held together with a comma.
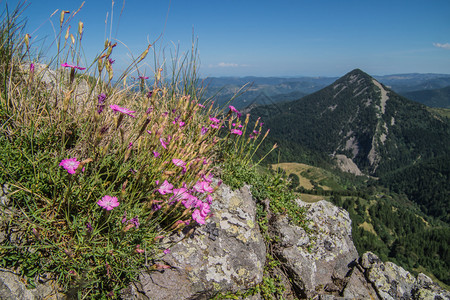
x: 100, y: 172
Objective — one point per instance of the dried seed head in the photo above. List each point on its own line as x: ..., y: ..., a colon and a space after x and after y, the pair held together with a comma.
x: 67, y: 33
x: 100, y: 64
x: 61, y: 19
x: 128, y: 227
x: 144, y: 54
x: 80, y: 28
x: 158, y: 74
x: 27, y: 40
x: 72, y: 38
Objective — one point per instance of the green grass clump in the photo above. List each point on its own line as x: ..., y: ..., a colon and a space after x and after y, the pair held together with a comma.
x: 265, y: 186
x: 100, y: 173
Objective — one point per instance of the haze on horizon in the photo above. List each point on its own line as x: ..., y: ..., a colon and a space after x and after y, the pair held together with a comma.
x: 263, y: 38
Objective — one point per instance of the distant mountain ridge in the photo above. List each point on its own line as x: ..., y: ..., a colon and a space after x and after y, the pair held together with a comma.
x: 359, y: 119
x: 432, y: 98
x: 271, y: 90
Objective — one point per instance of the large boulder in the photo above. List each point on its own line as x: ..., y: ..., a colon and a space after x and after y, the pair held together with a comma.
x: 317, y: 263
x: 225, y: 255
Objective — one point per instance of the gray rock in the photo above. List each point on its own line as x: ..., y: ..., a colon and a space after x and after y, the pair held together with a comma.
x: 389, y: 280
x: 318, y: 263
x: 4, y: 190
x: 12, y: 288
x: 230, y: 260
x: 428, y: 290
x: 358, y: 287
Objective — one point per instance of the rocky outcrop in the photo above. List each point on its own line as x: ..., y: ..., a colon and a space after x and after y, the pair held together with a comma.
x: 318, y: 262
x: 393, y: 282
x: 227, y: 256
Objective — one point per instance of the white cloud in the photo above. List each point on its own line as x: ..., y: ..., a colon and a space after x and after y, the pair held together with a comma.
x: 227, y: 65
x: 443, y: 46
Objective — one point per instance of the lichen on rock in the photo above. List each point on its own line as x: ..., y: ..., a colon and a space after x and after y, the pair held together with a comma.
x: 231, y: 261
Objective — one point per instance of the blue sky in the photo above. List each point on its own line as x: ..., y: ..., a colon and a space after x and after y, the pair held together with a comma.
x: 266, y: 38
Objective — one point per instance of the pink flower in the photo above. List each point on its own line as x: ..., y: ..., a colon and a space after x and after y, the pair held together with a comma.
x: 236, y: 131
x: 215, y: 126
x: 204, y: 209
x: 196, y: 215
x: 101, y: 102
x: 203, y: 187
x: 209, y: 178
x: 32, y: 67
x: 66, y: 65
x: 191, y: 201
x: 163, y: 143
x: 156, y: 154
x: 135, y: 221
x: 233, y: 109
x: 213, y: 119
x: 156, y: 207
x: 123, y: 110
x: 101, y: 98
x: 143, y: 77
x: 178, y: 162
x: 204, y: 130
x: 70, y: 164
x: 165, y: 188
x: 139, y: 250
x: 181, y: 124
x: 108, y: 202
x: 201, y: 105
x: 180, y: 194
x: 167, y: 251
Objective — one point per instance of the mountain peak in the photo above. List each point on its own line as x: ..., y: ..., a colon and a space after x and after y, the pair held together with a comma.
x: 356, y: 75
x: 357, y: 72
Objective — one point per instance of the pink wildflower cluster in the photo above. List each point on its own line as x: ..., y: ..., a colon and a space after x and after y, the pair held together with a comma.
x: 190, y: 197
x: 215, y: 122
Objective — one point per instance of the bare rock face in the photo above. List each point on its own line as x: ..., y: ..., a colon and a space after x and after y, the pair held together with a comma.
x: 317, y: 263
x: 225, y: 255
x: 393, y: 282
